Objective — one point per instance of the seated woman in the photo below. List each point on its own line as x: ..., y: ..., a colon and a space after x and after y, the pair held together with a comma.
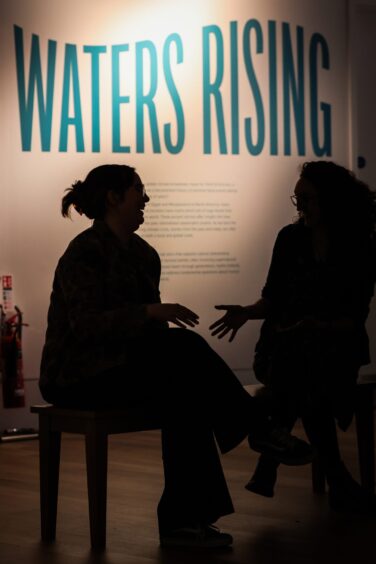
x: 315, y: 304
x: 108, y: 344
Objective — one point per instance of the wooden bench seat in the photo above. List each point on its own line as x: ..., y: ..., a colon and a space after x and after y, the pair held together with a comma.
x: 365, y: 432
x: 95, y: 426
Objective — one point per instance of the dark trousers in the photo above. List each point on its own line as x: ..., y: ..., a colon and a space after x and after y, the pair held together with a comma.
x: 321, y: 430
x: 200, y: 403
x: 285, y: 407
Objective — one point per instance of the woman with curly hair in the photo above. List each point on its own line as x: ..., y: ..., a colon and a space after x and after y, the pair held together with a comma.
x: 315, y: 303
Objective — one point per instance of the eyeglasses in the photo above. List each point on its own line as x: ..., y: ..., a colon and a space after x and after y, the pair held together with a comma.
x: 301, y: 199
x: 140, y: 188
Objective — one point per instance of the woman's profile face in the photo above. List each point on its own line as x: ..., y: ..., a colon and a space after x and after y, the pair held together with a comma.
x: 307, y: 203
x: 130, y: 208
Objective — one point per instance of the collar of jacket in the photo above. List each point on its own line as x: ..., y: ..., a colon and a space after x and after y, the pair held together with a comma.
x: 102, y: 228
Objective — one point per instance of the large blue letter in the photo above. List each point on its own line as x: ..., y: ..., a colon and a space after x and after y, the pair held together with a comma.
x: 117, y: 100
x: 212, y: 89
x: 71, y: 72
x: 326, y: 147
x: 26, y: 104
x: 95, y: 112
x: 234, y: 88
x: 273, y: 88
x: 180, y: 126
x: 146, y: 99
x: 296, y: 87
x: 254, y: 148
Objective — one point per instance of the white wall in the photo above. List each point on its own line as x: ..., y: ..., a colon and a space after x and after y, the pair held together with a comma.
x: 217, y: 213
x: 363, y: 116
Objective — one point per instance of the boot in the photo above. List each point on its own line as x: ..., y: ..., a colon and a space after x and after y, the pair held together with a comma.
x: 264, y: 477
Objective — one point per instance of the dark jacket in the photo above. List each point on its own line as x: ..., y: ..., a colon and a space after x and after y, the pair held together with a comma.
x: 298, y: 286
x: 99, y: 296
x: 315, y: 363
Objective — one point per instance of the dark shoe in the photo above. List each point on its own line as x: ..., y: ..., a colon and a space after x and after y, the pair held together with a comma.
x: 264, y: 478
x: 279, y: 444
x: 260, y: 487
x: 347, y: 496
x: 208, y: 536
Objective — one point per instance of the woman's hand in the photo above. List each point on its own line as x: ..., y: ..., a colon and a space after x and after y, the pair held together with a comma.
x: 174, y: 313
x: 234, y: 318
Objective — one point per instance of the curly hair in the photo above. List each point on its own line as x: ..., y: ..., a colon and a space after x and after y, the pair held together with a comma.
x: 347, y: 204
x: 89, y: 197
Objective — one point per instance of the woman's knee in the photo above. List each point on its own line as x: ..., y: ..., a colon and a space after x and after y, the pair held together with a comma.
x: 187, y: 339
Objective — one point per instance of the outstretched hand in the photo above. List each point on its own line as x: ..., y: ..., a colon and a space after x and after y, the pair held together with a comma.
x: 235, y: 317
x: 173, y: 313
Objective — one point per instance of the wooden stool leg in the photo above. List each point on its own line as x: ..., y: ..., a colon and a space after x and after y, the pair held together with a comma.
x: 49, y: 460
x: 96, y: 465
x: 318, y: 476
x: 364, y: 419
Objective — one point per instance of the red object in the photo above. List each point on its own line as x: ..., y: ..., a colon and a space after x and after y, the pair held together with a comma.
x: 11, y: 360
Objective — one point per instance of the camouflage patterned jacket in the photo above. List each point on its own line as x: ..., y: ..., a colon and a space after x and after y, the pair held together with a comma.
x: 99, y: 296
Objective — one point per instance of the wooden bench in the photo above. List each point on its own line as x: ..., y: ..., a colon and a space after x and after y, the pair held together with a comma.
x: 95, y: 426
x: 364, y: 425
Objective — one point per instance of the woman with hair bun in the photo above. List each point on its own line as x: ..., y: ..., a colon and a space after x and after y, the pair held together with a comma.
x: 315, y: 304
x: 109, y: 345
